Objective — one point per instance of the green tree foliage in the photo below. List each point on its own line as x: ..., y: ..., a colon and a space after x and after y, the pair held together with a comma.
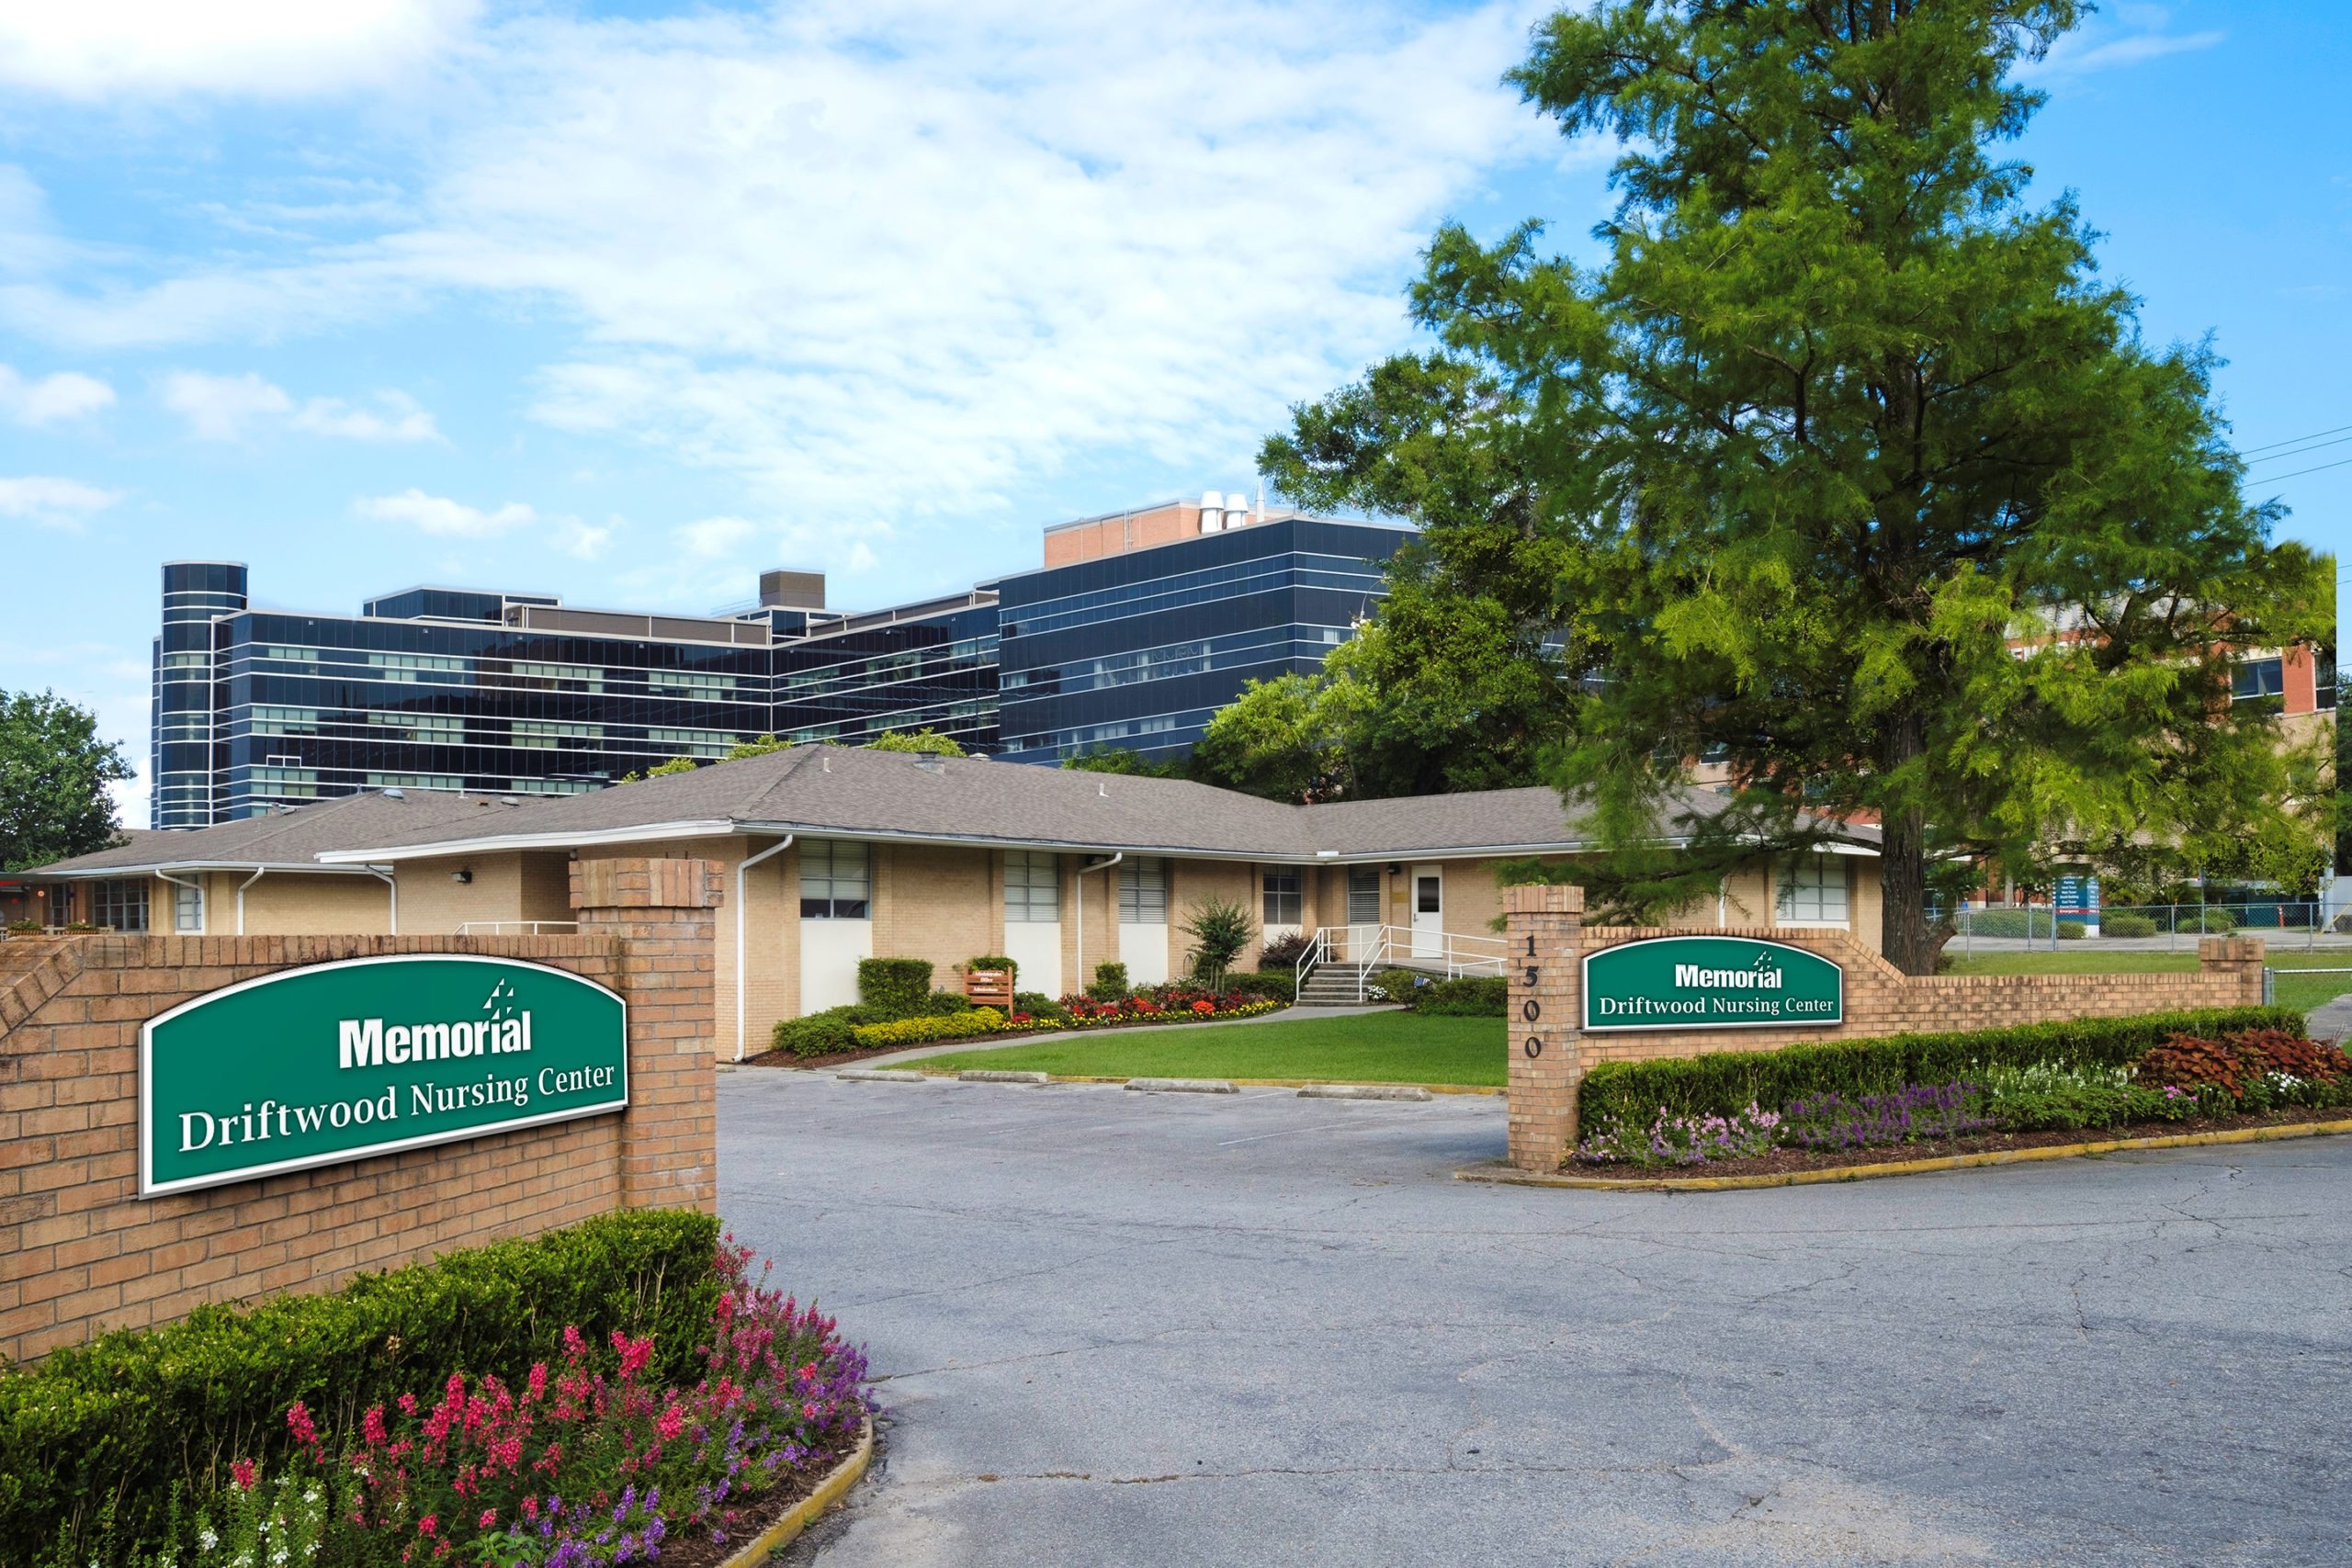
x: 54, y: 775
x: 1124, y: 759
x: 926, y: 740
x: 760, y: 748
x: 1221, y: 931
x: 1837, y: 423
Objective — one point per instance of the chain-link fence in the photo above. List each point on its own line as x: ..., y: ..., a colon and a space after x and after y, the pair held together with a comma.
x: 2302, y: 922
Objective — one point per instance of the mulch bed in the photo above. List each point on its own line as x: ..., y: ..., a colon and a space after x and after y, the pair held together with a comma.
x: 698, y: 1550
x: 1780, y: 1162
x: 842, y: 1058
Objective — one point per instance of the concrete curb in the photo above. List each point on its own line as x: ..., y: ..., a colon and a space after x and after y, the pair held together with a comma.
x: 1183, y: 1086
x: 1363, y: 1091
x: 880, y: 1075
x: 805, y: 1513
x: 991, y: 1075
x: 1504, y: 1176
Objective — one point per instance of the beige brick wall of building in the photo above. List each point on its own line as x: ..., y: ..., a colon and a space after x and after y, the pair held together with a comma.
x: 936, y: 905
x: 80, y: 1251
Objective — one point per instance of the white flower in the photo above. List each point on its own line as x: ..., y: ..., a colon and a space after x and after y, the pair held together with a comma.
x: 206, y: 1538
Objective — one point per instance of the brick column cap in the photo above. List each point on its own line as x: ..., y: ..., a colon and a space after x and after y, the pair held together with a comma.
x: 2230, y: 949
x: 1544, y: 898
x: 643, y: 881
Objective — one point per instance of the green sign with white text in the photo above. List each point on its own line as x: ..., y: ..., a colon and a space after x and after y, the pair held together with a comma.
x: 340, y: 1061
x: 1710, y: 982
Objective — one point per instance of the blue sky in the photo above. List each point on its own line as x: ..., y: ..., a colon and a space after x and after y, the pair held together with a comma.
x: 626, y: 302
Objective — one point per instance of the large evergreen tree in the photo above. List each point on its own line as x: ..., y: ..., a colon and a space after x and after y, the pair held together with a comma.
x: 1865, y: 482
x: 54, y: 775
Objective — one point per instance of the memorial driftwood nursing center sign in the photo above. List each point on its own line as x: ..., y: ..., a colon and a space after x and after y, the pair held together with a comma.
x: 369, y: 1056
x: 1710, y: 982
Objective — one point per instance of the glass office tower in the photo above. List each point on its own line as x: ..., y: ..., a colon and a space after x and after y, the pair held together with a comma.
x: 1137, y: 649
x: 519, y: 693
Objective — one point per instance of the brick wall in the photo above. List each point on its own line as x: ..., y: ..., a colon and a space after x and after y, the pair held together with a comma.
x: 81, y: 1251
x: 1880, y: 1000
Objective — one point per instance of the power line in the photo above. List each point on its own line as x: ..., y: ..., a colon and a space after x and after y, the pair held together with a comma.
x: 2314, y: 446
x: 2274, y: 479
x: 2294, y: 440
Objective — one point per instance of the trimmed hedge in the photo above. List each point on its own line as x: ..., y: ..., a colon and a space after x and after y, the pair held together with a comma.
x: 822, y: 1033
x: 1472, y: 995
x: 1110, y: 981
x: 921, y: 1031
x: 1725, y: 1083
x: 898, y: 985
x: 1274, y: 985
x: 2127, y: 925
x: 134, y: 1413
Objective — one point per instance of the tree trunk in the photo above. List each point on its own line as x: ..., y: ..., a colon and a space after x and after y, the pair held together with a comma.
x: 1905, y: 939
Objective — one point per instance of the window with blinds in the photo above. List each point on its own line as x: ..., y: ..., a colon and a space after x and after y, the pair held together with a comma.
x: 1032, y: 888
x: 1143, y: 892
x: 836, y: 880
x: 1363, y: 895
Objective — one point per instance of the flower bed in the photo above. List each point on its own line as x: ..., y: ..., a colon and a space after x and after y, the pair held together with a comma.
x: 1165, y: 1004
x: 590, y: 1457
x: 2249, y: 1076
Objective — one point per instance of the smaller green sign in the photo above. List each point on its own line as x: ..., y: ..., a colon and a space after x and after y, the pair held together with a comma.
x: 340, y: 1061
x: 1710, y: 982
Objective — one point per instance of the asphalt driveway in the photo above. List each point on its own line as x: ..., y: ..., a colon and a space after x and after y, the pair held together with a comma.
x: 1122, y: 1328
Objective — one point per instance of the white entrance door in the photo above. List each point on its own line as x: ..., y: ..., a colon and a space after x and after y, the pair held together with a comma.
x: 1428, y: 912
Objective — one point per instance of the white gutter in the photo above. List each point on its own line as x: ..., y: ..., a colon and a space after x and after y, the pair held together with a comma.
x: 199, y: 887
x: 740, y: 867
x: 1081, y: 910
x: 248, y: 882
x: 438, y: 847
x: 394, y: 887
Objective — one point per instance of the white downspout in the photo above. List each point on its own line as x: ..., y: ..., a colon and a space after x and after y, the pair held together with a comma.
x: 198, y: 885
x: 248, y: 882
x: 391, y: 886
x: 1722, y: 902
x: 1082, y: 870
x: 742, y: 997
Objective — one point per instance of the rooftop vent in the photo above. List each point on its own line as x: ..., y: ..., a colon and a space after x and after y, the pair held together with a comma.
x: 792, y: 589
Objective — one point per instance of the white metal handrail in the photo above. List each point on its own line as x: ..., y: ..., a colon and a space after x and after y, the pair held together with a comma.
x: 1367, y: 948
x: 519, y: 928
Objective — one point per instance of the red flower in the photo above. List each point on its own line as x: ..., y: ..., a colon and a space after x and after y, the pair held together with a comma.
x: 242, y: 1472
x: 298, y: 1421
x: 489, y: 1518
x: 428, y: 1525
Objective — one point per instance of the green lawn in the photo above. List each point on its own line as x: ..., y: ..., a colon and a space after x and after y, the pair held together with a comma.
x: 2303, y: 993
x: 1378, y: 1047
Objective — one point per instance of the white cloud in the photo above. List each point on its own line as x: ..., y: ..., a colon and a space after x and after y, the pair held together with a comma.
x: 219, y: 407
x: 439, y: 515
x: 716, y: 536
x: 396, y: 417
x: 879, y: 261
x: 67, y: 394
x: 93, y: 48
x: 581, y: 541
x: 53, y: 502
x: 2132, y: 35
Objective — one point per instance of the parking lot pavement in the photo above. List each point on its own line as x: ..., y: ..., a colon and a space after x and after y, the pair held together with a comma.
x: 1188, y: 1329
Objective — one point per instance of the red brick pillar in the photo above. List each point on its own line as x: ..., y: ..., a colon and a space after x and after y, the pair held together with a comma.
x: 1543, y: 923
x: 661, y: 910
x: 2240, y: 956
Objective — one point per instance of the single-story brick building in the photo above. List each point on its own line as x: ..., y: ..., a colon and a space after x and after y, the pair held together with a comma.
x: 832, y: 855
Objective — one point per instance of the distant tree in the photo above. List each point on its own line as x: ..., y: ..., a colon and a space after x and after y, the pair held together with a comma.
x: 54, y: 775
x: 760, y: 748
x: 1860, y: 481
x: 1127, y: 761
x: 926, y: 740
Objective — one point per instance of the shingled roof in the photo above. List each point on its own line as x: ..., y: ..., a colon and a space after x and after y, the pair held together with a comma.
x: 825, y: 791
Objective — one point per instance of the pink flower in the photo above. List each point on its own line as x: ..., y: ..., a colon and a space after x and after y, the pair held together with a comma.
x: 488, y: 1521
x: 530, y: 1507
x: 408, y: 1405
x: 428, y: 1525
x: 298, y: 1421
x: 242, y: 1472
x: 371, y: 1426
x: 671, y: 1422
